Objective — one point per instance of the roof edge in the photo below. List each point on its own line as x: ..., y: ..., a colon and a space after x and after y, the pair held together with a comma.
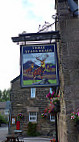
x: 12, y: 81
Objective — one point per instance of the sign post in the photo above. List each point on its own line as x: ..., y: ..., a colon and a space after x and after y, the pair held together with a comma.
x: 39, y: 63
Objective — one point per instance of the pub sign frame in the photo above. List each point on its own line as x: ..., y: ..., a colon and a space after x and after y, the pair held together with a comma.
x: 39, y: 65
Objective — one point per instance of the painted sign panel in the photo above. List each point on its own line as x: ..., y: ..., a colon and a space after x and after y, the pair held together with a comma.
x: 39, y: 65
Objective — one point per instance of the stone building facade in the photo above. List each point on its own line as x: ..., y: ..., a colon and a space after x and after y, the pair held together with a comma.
x: 68, y: 52
x: 23, y: 102
x: 68, y: 57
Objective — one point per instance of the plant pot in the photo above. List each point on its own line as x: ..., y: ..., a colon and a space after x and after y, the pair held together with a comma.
x: 77, y: 122
x: 57, y: 107
x: 77, y: 125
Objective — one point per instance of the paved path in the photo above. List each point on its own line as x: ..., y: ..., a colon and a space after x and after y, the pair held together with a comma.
x: 4, y: 133
x: 36, y: 139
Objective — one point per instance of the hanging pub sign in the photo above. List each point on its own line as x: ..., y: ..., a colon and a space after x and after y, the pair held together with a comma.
x: 39, y: 65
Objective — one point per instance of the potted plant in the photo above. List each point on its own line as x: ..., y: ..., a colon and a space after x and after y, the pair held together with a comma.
x: 20, y: 116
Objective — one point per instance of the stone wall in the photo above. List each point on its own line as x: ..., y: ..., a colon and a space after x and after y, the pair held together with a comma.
x: 21, y: 102
x: 68, y: 52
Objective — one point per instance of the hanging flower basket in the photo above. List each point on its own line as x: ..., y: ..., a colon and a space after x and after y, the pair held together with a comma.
x: 75, y: 117
x: 20, y: 116
x: 44, y: 115
x: 54, y: 107
x: 52, y: 95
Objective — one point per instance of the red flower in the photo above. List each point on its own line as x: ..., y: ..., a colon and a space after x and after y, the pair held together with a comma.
x: 53, y: 140
x: 49, y: 95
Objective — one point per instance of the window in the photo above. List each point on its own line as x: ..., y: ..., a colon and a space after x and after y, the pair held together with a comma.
x: 52, y: 118
x: 6, y: 112
x: 33, y: 92
x: 32, y: 116
x: 13, y: 120
x: 51, y: 90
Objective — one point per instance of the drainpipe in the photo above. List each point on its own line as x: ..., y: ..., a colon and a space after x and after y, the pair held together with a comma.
x: 56, y: 127
x: 73, y: 7
x: 9, y: 126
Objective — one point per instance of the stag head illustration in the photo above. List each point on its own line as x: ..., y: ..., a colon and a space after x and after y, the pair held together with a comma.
x: 42, y: 60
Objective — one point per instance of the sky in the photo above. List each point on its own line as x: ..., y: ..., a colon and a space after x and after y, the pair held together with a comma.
x: 41, y: 56
x: 17, y: 16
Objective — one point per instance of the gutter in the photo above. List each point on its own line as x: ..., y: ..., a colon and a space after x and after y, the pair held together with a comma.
x: 73, y: 7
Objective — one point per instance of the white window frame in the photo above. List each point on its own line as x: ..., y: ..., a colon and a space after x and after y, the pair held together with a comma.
x: 52, y: 119
x: 32, y: 116
x: 33, y: 92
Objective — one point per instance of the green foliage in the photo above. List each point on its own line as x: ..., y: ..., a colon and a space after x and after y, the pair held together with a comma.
x: 2, y: 120
x: 32, y: 129
x: 4, y: 95
x: 0, y: 96
x: 0, y: 93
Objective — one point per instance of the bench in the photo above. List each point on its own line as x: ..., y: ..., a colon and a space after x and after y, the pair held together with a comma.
x: 13, y: 138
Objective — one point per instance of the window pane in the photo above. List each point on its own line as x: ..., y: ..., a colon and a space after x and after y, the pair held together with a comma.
x: 52, y: 118
x: 51, y: 90
x: 33, y: 90
x: 32, y: 116
x: 33, y: 113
